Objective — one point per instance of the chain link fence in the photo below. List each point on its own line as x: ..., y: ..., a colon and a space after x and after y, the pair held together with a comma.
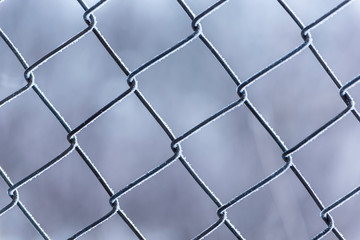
x: 176, y: 141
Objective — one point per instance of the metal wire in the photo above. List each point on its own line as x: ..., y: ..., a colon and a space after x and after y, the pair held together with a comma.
x: 175, y: 141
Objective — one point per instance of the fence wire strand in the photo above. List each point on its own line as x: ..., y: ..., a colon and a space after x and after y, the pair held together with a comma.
x: 175, y: 141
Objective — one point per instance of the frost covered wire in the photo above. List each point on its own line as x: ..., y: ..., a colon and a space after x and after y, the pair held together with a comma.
x: 175, y: 141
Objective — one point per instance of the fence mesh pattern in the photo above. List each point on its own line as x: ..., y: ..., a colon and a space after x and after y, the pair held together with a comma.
x: 175, y: 142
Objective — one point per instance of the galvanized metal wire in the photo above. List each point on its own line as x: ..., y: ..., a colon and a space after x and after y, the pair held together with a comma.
x: 175, y: 141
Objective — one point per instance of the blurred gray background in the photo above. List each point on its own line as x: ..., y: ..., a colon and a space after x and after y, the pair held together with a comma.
x: 230, y: 155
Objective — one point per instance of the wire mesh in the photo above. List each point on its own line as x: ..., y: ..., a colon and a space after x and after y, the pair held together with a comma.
x: 243, y: 101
